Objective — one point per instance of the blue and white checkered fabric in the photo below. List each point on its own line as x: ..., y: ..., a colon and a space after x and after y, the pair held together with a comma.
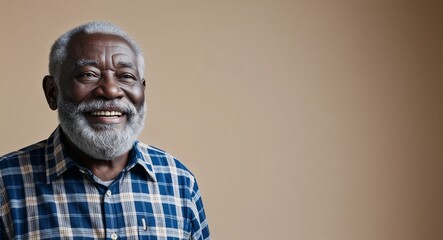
x: 44, y: 194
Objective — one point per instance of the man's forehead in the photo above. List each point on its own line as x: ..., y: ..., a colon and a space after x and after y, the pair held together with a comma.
x: 95, y: 47
x: 99, y: 42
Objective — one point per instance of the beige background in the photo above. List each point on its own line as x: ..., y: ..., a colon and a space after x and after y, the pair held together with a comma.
x: 301, y: 119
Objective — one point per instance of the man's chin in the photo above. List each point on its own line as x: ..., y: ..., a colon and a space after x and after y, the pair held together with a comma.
x: 99, y: 127
x: 102, y: 142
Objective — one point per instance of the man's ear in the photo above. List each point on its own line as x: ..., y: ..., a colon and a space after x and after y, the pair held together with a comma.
x: 144, y: 83
x: 51, y: 91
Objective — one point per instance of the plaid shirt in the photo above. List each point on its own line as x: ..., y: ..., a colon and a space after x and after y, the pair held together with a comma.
x: 44, y: 194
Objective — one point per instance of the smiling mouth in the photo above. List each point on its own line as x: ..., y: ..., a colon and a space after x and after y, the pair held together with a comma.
x: 107, y: 114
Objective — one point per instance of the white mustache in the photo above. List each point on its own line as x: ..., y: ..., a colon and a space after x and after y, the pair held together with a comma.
x: 116, y: 105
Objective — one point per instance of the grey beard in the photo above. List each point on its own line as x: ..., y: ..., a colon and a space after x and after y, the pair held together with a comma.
x: 104, y: 141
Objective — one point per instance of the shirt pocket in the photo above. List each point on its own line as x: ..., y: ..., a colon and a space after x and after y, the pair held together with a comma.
x: 170, y: 227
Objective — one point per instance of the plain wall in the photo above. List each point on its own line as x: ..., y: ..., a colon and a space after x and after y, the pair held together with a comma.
x: 301, y: 119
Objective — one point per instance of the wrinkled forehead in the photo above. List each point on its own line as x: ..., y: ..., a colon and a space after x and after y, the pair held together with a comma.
x: 100, y: 48
x: 84, y: 39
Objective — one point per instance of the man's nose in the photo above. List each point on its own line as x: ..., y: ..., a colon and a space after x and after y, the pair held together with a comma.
x: 108, y: 87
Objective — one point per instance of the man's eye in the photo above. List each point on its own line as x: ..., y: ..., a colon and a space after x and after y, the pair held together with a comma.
x: 88, y: 76
x: 127, y: 76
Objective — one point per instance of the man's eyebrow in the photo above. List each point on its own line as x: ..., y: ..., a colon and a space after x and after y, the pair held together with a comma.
x: 126, y: 65
x: 85, y: 62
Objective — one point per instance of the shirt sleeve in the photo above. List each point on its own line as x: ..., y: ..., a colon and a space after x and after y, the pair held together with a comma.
x: 200, y: 229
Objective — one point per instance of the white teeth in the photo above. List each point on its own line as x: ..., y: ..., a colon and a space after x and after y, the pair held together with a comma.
x: 107, y: 113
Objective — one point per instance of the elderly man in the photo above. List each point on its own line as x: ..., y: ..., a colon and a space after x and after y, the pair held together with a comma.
x: 92, y: 179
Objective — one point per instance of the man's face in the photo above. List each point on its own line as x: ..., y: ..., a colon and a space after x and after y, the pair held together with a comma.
x: 101, y: 98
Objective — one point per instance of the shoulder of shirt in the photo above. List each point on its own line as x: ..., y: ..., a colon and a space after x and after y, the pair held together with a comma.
x: 161, y: 158
x: 26, y: 151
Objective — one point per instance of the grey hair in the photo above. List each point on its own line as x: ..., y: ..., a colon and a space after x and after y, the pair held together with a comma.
x: 58, y: 52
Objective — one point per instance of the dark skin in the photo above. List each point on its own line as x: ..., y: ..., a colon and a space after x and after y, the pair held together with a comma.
x: 98, y: 66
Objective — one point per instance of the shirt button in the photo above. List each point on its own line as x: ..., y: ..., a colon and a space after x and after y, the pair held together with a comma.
x: 108, y: 193
x: 114, y: 236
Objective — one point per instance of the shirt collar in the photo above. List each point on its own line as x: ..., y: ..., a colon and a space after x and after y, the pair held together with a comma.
x: 58, y: 160
x: 140, y: 157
